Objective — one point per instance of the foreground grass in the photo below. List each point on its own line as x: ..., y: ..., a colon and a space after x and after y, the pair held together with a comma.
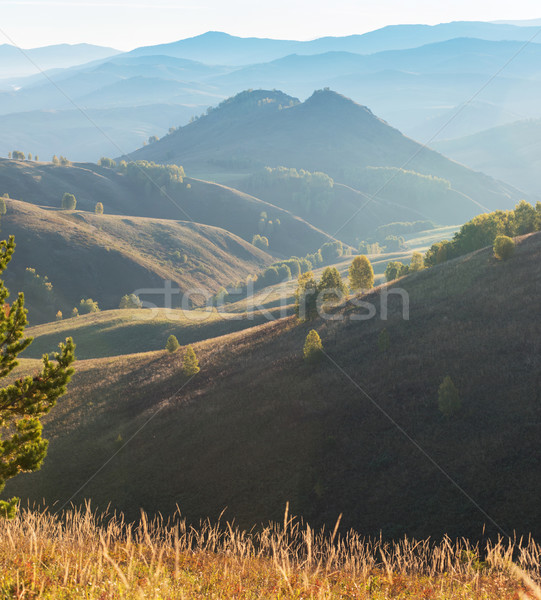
x: 83, y: 556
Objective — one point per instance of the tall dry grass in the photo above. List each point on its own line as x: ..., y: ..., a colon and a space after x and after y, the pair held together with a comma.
x: 83, y: 555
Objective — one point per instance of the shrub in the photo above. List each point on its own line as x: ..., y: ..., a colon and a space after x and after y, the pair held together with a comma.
x: 59, y: 315
x: 3, y: 208
x: 449, y: 401
x: 190, y: 364
x: 172, y: 344
x: 106, y: 162
x: 75, y: 312
x: 130, y: 301
x: 68, y: 201
x: 98, y: 209
x: 417, y: 262
x: 313, y: 348
x: 361, y: 274
x: 88, y: 306
x: 504, y: 247
x: 261, y: 242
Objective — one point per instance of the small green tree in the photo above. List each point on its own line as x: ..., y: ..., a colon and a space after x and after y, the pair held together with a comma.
x: 130, y: 301
x: 313, y: 348
x: 361, y: 274
x: 504, y: 247
x: 104, y: 161
x: 306, y: 297
x: 417, y: 262
x: 59, y: 315
x: 190, y: 364
x: 88, y: 306
x: 3, y: 208
x: 384, y: 341
x: 98, y: 209
x: 55, y: 160
x: 172, y: 344
x: 75, y: 312
x: 394, y: 270
x: 68, y: 201
x: 331, y: 288
x: 18, y: 155
x: 27, y: 399
x: 261, y: 242
x: 449, y: 401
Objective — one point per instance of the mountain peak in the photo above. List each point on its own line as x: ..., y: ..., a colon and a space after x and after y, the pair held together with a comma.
x: 257, y: 99
x: 327, y: 98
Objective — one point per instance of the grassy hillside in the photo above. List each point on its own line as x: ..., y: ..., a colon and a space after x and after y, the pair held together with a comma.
x: 257, y: 427
x: 511, y: 152
x: 105, y: 257
x: 122, y: 331
x: 202, y: 202
x: 332, y: 134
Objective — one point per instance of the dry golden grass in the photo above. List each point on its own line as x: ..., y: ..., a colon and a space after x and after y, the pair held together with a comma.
x: 82, y: 555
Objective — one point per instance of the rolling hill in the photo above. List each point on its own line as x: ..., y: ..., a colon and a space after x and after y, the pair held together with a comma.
x: 314, y: 436
x: 104, y: 257
x: 332, y: 134
x: 19, y: 63
x: 510, y: 152
x: 201, y: 202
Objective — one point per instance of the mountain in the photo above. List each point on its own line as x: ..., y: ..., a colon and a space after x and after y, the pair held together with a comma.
x: 137, y: 194
x: 511, y: 152
x: 331, y: 134
x: 216, y: 47
x: 104, y: 131
x: 104, y: 257
x: 16, y: 62
x: 257, y: 427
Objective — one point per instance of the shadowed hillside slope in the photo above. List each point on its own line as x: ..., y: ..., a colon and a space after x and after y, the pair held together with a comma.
x: 105, y: 257
x: 198, y: 201
x: 257, y: 427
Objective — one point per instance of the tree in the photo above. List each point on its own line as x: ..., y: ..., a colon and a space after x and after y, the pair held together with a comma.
x: 524, y: 218
x: 306, y: 297
x: 331, y: 288
x: 190, y: 364
x: 29, y: 156
x: 417, y: 262
x: 130, y: 301
x: 261, y: 242
x: 449, y: 401
x: 27, y: 399
x: 75, y: 312
x: 313, y: 348
x: 98, y: 209
x: 361, y: 274
x: 88, y: 306
x: 106, y: 162
x: 384, y: 340
x: 394, y: 270
x: 172, y: 344
x: 68, y: 201
x: 3, y: 208
x: 55, y: 160
x: 59, y: 315
x: 18, y: 155
x: 504, y: 247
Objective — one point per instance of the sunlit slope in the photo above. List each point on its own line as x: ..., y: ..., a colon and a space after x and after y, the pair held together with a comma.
x: 105, y: 257
x: 197, y: 201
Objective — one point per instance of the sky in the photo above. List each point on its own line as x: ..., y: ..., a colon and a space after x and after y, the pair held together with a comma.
x: 126, y: 24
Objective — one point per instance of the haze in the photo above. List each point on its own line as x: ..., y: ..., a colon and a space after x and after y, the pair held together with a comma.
x: 126, y: 25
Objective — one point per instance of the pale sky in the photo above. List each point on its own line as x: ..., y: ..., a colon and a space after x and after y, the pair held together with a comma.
x: 126, y: 24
